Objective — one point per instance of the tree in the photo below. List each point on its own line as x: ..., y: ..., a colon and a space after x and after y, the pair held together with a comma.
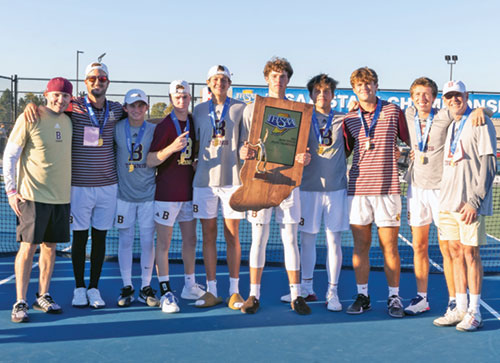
x: 30, y: 98
x: 5, y: 106
x: 160, y: 110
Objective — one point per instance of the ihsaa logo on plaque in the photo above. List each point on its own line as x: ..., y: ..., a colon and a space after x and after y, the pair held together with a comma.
x: 281, y: 122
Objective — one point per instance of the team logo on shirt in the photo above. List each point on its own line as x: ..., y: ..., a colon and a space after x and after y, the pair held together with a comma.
x: 58, y: 133
x: 282, y: 122
x: 327, y: 137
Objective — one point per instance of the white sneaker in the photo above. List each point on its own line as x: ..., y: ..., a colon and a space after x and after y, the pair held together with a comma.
x: 192, y: 293
x: 471, y: 322
x: 451, y: 318
x: 168, y: 303
x: 417, y: 306
x: 80, y: 298
x: 95, y: 300
x: 332, y: 301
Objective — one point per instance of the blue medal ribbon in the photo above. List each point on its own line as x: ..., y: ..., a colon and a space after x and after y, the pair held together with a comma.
x: 175, y: 120
x: 368, y: 130
x: 211, y: 113
x: 316, y: 127
x: 422, y: 142
x: 456, y: 136
x: 93, y: 117
x: 138, y: 139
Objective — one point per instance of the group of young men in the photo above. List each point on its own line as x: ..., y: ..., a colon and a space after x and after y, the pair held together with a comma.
x: 123, y: 169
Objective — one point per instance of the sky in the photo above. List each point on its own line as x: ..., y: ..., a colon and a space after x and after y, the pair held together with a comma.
x: 167, y: 40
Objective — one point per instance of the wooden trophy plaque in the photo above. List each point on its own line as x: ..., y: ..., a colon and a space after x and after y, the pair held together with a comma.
x: 280, y: 130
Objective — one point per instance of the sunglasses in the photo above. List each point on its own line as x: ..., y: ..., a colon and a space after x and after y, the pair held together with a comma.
x: 101, y: 79
x: 453, y: 94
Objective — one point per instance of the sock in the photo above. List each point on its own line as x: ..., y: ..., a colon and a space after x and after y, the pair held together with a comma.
x: 452, y: 299
x: 423, y: 294
x: 294, y: 291
x: 255, y: 290
x: 393, y: 291
x: 362, y: 289
x: 461, y: 302
x: 189, y: 280
x: 212, y: 287
x: 474, y: 303
x: 333, y: 287
x: 147, y: 255
x: 233, y: 286
x: 307, y: 286
x: 164, y: 284
x: 125, y: 244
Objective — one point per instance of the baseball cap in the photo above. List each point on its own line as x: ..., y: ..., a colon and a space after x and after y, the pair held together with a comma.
x: 135, y: 95
x: 59, y: 84
x: 179, y: 86
x: 96, y: 65
x: 218, y: 69
x: 454, y: 86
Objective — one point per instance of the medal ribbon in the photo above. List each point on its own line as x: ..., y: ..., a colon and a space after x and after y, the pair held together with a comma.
x: 369, y: 130
x: 316, y: 127
x: 456, y: 136
x: 422, y: 143
x: 211, y: 113
x: 93, y: 117
x: 138, y: 139
x: 175, y: 120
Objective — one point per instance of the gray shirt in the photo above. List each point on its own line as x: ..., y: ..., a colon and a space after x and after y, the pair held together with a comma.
x: 326, y: 172
x: 218, y: 165
x: 470, y: 180
x: 427, y: 175
x: 138, y: 185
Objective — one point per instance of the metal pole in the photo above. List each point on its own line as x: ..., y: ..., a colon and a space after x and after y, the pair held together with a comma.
x: 77, y: 68
x: 451, y: 71
x: 15, y: 97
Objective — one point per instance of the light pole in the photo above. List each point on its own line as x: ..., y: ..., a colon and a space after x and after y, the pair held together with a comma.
x: 451, y: 60
x: 99, y: 59
x: 78, y: 52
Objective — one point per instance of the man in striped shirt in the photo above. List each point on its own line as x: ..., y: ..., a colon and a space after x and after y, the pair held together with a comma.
x: 371, y: 133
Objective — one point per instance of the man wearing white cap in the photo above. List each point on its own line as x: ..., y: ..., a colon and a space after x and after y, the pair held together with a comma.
x: 40, y: 193
x: 218, y: 131
x: 136, y: 190
x: 466, y: 197
x: 172, y: 154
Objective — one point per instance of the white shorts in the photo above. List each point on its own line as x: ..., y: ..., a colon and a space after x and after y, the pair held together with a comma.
x: 93, y: 207
x: 423, y: 206
x: 128, y: 212
x: 167, y: 213
x: 206, y: 202
x: 288, y: 212
x: 331, y: 207
x: 384, y: 210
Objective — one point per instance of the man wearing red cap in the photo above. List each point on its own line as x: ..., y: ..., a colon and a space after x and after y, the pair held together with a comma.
x: 40, y: 194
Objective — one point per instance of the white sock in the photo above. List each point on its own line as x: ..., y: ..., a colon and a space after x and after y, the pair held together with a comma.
x: 147, y: 255
x: 393, y: 291
x: 461, y: 302
x: 163, y: 278
x: 189, y: 280
x: 294, y: 291
x: 255, y: 290
x: 423, y: 294
x: 452, y: 299
x: 234, y: 286
x: 307, y: 286
x: 212, y: 287
x: 362, y: 289
x: 474, y: 303
x: 125, y: 243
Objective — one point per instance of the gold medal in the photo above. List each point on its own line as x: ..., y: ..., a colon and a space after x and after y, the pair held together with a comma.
x: 321, y: 149
x: 367, y: 145
x: 100, y: 142
x: 452, y: 163
x: 422, y: 159
x: 215, y: 141
x: 130, y: 168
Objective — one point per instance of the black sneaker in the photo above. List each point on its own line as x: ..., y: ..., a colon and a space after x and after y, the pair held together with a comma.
x: 126, y: 296
x: 250, y: 306
x: 360, y: 305
x: 395, y: 307
x: 148, y: 296
x: 46, y: 304
x: 19, y: 312
x: 299, y: 305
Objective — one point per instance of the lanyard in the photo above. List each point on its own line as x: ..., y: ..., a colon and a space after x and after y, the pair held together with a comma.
x: 316, y: 125
x: 93, y: 117
x: 368, y: 131
x: 456, y: 137
x: 212, y: 113
x: 175, y: 120
x: 138, y: 139
x: 423, y: 142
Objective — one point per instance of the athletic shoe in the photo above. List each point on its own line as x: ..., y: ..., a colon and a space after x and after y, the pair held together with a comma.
x: 471, y: 322
x: 332, y: 301
x: 360, y: 305
x: 207, y: 300
x: 306, y: 295
x: 19, y: 312
x: 452, y: 316
x: 80, y: 299
x: 395, y: 307
x: 192, y: 293
x: 46, y: 304
x: 250, y: 306
x: 299, y: 305
x: 126, y: 296
x: 147, y: 296
x: 95, y: 300
x: 169, y: 303
x: 417, y: 306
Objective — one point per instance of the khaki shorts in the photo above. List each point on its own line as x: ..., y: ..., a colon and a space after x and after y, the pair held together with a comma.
x: 451, y: 228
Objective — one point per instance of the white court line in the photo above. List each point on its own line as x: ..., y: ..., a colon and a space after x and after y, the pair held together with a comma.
x: 440, y: 269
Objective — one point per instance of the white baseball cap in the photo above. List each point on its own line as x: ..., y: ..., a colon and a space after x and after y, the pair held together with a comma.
x: 135, y: 95
x: 454, y: 86
x: 96, y: 65
x: 179, y: 86
x: 218, y: 69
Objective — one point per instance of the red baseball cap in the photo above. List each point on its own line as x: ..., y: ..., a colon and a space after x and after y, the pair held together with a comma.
x: 59, y: 84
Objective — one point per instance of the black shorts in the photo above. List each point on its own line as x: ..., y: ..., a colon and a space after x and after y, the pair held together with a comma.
x: 42, y: 222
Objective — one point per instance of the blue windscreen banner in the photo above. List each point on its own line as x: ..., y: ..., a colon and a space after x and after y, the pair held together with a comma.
x: 344, y: 96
